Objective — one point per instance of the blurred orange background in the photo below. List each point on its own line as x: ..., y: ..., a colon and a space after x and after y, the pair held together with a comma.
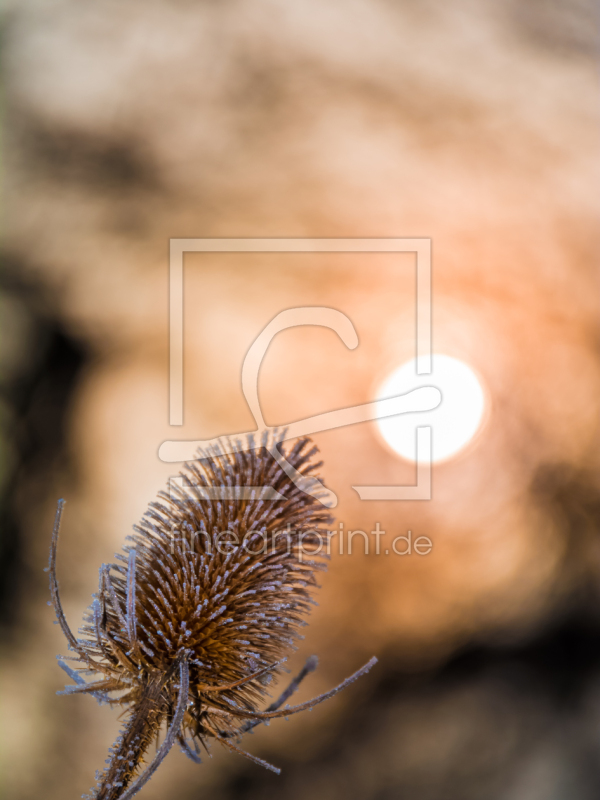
x: 474, y: 124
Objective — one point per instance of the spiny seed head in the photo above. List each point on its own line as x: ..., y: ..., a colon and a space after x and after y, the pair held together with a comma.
x: 203, y: 604
x: 223, y: 574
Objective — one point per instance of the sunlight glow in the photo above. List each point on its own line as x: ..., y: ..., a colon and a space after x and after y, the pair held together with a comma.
x: 454, y: 423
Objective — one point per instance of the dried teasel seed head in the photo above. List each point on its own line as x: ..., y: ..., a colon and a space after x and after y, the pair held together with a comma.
x: 203, y: 605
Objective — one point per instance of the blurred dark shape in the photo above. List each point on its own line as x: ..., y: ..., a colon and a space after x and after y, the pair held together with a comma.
x: 40, y: 371
x: 571, y: 497
x: 519, y: 722
x: 571, y: 28
x: 99, y: 162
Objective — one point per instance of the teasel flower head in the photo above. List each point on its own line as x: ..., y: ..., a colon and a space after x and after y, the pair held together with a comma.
x: 203, y: 606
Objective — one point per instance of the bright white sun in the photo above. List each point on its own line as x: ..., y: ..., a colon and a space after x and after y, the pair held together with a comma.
x: 453, y: 423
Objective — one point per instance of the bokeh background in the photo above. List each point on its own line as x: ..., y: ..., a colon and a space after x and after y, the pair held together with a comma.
x: 473, y: 123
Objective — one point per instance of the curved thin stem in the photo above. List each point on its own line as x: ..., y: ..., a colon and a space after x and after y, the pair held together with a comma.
x: 261, y: 762
x: 172, y: 734
x: 310, y: 666
x: 55, y: 595
x: 260, y: 715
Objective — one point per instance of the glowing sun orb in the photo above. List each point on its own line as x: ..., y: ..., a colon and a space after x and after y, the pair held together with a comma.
x: 453, y: 423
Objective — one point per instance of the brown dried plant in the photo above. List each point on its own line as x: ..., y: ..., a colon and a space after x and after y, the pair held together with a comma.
x: 187, y: 629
